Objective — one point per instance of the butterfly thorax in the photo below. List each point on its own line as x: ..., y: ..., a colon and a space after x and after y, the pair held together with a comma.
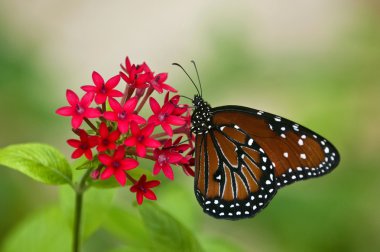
x: 201, y: 118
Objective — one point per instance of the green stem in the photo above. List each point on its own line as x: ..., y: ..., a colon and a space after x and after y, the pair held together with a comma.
x: 77, y: 221
x: 79, y: 191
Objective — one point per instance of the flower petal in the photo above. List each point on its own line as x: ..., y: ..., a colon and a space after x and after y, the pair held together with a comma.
x: 103, y: 130
x: 131, y: 141
x: 114, y: 136
x: 108, y: 172
x: 174, y: 157
x: 119, y: 153
x: 115, y: 105
x: 110, y: 116
x: 149, y: 194
x: 92, y: 113
x: 125, y: 77
x: 105, y: 159
x: 88, y: 88
x: 76, y: 121
x: 129, y: 163
x: 123, y: 126
x: 77, y: 153
x: 130, y: 105
x: 88, y: 154
x: 147, y: 130
x: 139, y: 197
x: 154, y: 105
x: 120, y: 176
x: 111, y: 83
x: 156, y: 168
x: 140, y: 150
x: 169, y: 88
x: 100, y: 98
x: 97, y: 79
x: 115, y: 93
x: 175, y: 120
x: 65, y: 111
x: 168, y: 171
x: 152, y: 183
x: 72, y: 97
x: 136, y: 118
x: 153, y: 143
x: 87, y: 99
x: 74, y: 143
x: 135, y: 129
x: 166, y: 127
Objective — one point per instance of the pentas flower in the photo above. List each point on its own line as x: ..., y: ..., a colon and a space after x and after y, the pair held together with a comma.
x: 141, y: 139
x: 142, y: 189
x: 116, y: 165
x: 135, y: 80
x: 84, y: 145
x: 107, y: 140
x: 117, y: 136
x: 78, y: 109
x: 165, y: 157
x: 103, y: 90
x: 135, y: 76
x: 163, y: 116
x: 123, y: 115
x: 157, y: 82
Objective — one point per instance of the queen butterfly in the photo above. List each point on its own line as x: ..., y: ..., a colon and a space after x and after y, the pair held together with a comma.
x: 243, y: 156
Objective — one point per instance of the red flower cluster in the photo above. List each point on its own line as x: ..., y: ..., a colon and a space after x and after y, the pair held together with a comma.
x: 118, y: 135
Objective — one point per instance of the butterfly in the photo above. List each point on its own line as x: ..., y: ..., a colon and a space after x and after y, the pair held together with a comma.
x: 243, y: 156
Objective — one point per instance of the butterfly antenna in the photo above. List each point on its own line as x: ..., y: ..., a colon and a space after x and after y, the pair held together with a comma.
x: 178, y: 65
x: 186, y: 97
x: 199, y: 80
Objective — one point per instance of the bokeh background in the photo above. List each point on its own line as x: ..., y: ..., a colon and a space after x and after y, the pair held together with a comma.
x: 314, y: 61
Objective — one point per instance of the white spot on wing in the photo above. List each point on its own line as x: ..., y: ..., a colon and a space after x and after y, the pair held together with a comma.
x: 250, y: 142
x: 327, y: 150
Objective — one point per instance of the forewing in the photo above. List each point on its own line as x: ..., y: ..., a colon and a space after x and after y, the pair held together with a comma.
x: 297, y: 153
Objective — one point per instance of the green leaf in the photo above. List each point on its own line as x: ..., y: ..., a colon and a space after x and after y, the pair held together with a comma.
x: 43, y: 231
x: 38, y: 161
x: 220, y: 244
x: 126, y: 225
x: 167, y: 234
x: 131, y: 249
x: 96, y: 204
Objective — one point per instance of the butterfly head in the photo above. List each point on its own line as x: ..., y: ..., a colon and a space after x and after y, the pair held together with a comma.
x: 201, y: 117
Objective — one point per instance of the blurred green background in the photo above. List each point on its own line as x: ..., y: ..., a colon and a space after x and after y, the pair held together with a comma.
x: 316, y: 62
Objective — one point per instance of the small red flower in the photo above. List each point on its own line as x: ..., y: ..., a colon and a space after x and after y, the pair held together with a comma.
x: 157, y: 82
x: 103, y: 90
x: 123, y: 115
x: 135, y: 80
x: 84, y: 145
x: 164, y: 158
x: 137, y: 76
x: 117, y: 165
x: 142, y: 189
x: 78, y: 109
x: 163, y: 116
x: 132, y: 68
x: 107, y: 140
x: 141, y: 139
